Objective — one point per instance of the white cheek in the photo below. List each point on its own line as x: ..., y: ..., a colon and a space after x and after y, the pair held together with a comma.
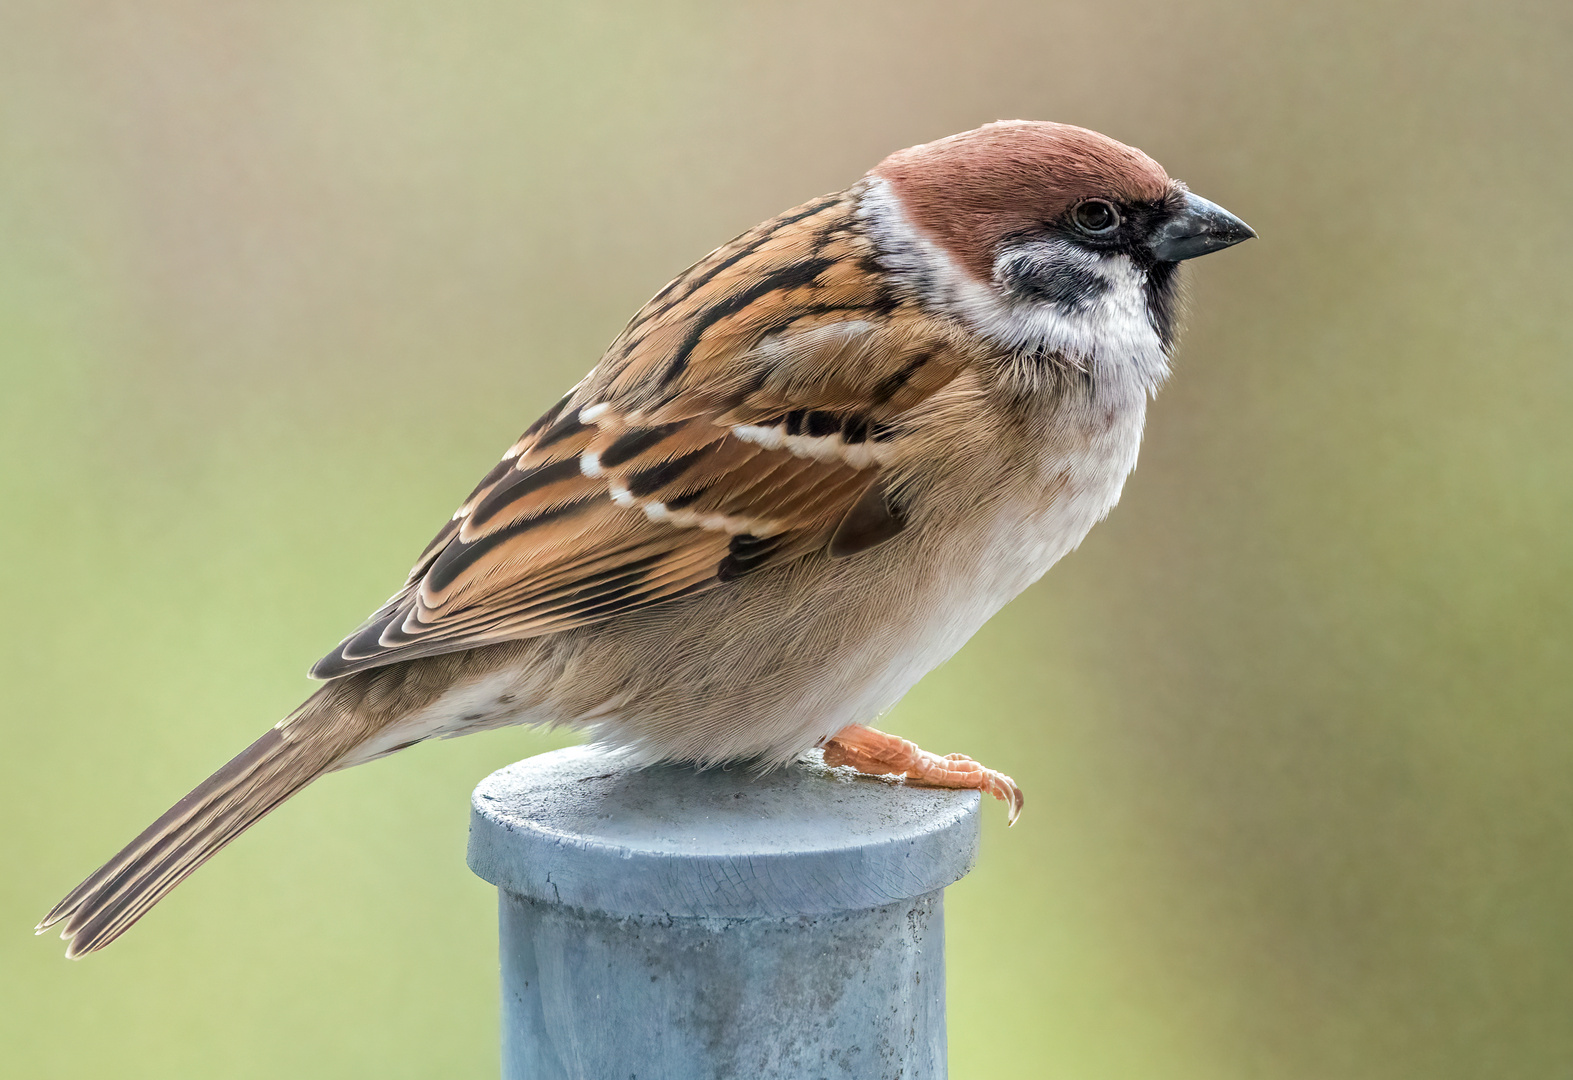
x: 1112, y: 324
x: 1110, y: 336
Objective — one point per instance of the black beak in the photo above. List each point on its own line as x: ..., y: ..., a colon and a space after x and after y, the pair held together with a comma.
x: 1196, y: 229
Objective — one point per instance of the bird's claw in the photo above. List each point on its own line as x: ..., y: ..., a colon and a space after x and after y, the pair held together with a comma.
x: 871, y: 751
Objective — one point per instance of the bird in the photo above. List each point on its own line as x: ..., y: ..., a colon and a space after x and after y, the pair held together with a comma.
x: 804, y: 474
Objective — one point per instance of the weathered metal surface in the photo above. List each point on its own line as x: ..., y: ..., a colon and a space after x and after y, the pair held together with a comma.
x: 667, y: 923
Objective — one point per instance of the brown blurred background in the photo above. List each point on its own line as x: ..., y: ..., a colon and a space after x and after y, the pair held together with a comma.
x: 278, y: 281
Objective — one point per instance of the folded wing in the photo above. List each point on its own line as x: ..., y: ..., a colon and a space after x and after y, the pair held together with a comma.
x: 730, y: 428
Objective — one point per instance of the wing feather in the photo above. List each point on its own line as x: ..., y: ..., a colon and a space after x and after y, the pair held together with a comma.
x: 737, y: 422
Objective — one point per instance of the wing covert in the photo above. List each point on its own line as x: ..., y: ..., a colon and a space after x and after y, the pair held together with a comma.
x: 735, y: 424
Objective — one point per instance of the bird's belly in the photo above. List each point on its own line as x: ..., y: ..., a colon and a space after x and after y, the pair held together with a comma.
x: 776, y: 662
x: 794, y: 655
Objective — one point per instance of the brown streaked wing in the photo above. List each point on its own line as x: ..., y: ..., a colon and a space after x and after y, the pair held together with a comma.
x: 634, y: 489
x: 659, y: 524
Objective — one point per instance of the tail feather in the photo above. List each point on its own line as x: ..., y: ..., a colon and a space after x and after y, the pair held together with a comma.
x: 192, y: 831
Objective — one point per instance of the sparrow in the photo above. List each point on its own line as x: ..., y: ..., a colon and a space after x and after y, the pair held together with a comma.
x: 804, y: 474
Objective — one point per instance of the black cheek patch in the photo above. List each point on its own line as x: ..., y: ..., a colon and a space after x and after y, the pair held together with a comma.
x: 1063, y: 284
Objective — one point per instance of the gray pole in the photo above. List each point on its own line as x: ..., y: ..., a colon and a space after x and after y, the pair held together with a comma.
x: 668, y: 924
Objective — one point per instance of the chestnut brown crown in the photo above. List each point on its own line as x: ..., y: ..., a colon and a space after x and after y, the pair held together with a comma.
x: 973, y: 191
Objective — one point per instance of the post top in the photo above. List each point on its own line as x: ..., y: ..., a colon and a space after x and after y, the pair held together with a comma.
x: 580, y: 827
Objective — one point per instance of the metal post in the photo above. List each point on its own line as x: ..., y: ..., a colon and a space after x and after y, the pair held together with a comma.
x: 668, y: 924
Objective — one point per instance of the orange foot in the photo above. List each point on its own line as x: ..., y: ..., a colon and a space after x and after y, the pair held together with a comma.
x: 871, y: 751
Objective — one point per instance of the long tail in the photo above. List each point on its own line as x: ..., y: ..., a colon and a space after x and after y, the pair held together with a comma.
x: 192, y: 831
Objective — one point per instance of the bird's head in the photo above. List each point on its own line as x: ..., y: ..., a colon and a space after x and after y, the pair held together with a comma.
x: 1054, y: 227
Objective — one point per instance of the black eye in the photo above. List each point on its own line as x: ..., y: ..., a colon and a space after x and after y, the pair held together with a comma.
x: 1096, y: 217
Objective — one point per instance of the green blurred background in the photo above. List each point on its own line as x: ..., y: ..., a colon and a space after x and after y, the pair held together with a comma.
x: 278, y: 281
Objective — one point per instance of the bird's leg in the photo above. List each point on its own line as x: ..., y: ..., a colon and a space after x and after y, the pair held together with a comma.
x: 877, y: 752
